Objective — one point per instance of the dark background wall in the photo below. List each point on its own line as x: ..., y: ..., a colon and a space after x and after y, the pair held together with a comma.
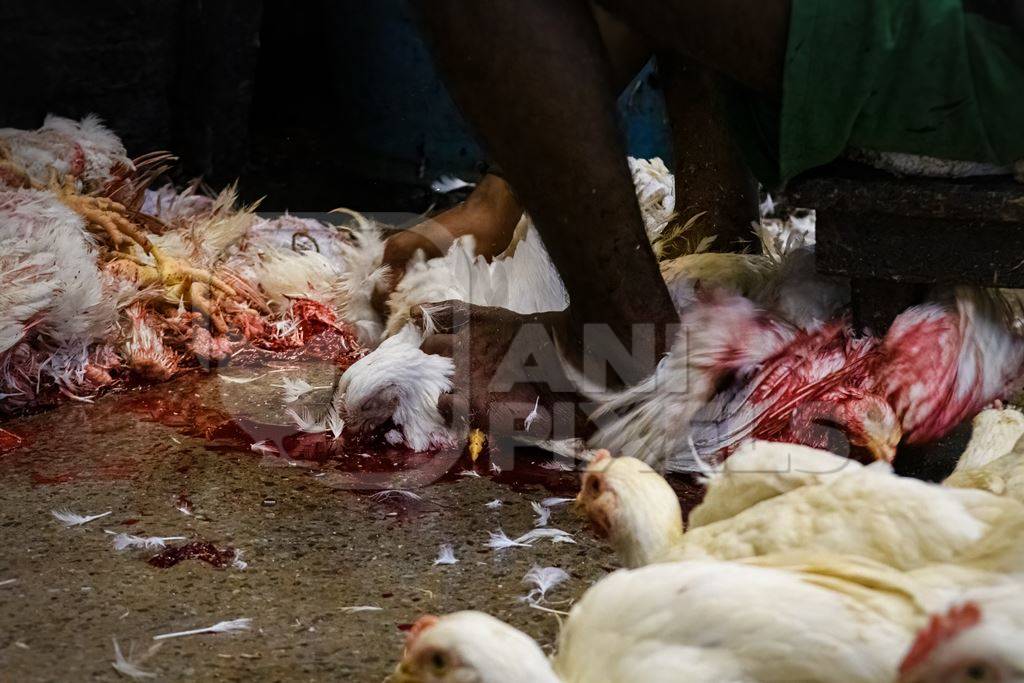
x: 312, y: 104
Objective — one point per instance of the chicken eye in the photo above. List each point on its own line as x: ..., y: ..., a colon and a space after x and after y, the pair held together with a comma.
x: 438, y: 662
x: 979, y: 671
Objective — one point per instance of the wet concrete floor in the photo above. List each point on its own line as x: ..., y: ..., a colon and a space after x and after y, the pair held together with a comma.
x: 302, y: 513
x: 313, y: 546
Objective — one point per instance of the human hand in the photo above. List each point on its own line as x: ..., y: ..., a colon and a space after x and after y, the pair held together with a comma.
x: 489, y: 214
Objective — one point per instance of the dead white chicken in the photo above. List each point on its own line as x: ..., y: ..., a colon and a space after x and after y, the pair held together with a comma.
x: 84, y: 150
x: 522, y: 279
x: 398, y: 381
x: 655, y: 192
x: 55, y: 303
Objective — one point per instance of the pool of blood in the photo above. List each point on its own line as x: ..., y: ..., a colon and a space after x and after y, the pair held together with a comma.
x: 362, y: 462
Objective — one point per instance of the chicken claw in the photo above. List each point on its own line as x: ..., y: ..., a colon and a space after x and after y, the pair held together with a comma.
x: 109, y: 216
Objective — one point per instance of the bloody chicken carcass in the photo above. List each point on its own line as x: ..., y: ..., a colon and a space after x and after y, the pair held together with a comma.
x: 103, y: 280
x: 738, y: 372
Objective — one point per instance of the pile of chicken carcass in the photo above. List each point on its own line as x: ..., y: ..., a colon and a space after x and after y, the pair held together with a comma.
x: 105, y: 282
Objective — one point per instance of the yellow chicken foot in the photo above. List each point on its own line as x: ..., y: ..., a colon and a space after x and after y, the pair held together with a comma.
x: 110, y: 217
x: 173, y: 271
x: 199, y: 297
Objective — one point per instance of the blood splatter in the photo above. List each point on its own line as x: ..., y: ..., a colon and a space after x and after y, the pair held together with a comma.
x: 196, y: 550
x: 9, y: 441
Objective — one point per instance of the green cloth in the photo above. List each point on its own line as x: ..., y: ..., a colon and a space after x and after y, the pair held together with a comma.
x: 915, y: 76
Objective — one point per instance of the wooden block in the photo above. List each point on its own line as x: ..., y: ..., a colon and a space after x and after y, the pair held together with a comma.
x: 918, y: 230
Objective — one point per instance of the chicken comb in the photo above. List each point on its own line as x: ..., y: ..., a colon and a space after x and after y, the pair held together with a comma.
x: 941, y: 629
x: 421, y: 625
x: 600, y: 456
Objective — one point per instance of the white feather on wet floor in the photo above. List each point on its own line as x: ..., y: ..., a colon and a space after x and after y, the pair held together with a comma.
x: 534, y: 414
x: 69, y: 518
x: 542, y: 580
x: 295, y: 388
x: 334, y: 422
x: 239, y: 380
x: 555, y: 536
x: 391, y: 494
x: 543, y: 514
x: 446, y: 555
x: 264, y: 447
x: 229, y: 626
x: 238, y: 563
x: 304, y: 420
x: 125, y: 541
x: 130, y: 665
x: 499, y: 540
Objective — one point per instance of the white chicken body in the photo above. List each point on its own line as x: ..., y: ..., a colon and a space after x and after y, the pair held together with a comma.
x: 760, y: 470
x: 522, y: 280
x: 994, y: 433
x: 710, y: 622
x: 50, y: 285
x: 408, y: 381
x: 986, y: 464
x: 898, y: 521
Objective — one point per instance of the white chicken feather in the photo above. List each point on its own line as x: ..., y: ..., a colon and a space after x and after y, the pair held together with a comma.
x: 399, y: 381
x: 50, y: 286
x: 522, y: 280
x: 86, y: 149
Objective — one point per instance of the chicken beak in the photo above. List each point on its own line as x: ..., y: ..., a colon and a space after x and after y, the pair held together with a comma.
x: 476, y: 444
x: 579, y: 506
x: 882, y: 450
x: 401, y: 675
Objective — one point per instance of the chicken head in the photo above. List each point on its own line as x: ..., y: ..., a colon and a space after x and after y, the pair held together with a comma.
x: 632, y: 506
x: 470, y: 647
